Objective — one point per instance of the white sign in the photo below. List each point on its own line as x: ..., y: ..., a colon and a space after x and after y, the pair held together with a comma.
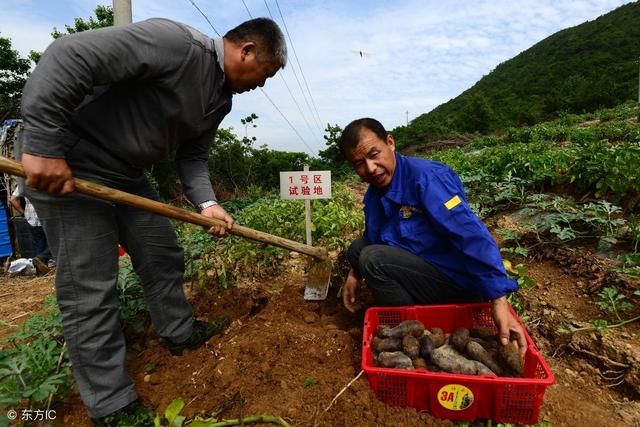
x: 305, y: 185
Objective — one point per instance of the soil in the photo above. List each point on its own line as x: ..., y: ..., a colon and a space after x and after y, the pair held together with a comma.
x: 286, y: 357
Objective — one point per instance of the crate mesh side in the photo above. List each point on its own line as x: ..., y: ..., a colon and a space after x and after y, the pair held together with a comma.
x: 390, y: 318
x: 483, y: 318
x: 392, y: 390
x: 540, y: 373
x: 519, y: 403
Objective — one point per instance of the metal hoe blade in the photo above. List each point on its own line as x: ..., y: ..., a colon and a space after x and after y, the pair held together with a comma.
x: 317, y: 279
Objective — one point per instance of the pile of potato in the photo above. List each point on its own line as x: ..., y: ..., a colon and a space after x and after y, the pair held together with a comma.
x: 472, y: 352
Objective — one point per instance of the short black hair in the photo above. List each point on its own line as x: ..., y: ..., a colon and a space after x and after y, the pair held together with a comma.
x: 266, y: 34
x: 350, y: 136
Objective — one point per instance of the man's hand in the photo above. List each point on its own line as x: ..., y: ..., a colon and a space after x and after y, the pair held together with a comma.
x: 509, y: 329
x: 349, y: 291
x: 218, y: 212
x: 50, y: 175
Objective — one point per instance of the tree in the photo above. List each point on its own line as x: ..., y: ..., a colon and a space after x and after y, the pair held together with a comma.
x: 332, y: 153
x: 332, y: 158
x: 104, y: 18
x: 14, y: 71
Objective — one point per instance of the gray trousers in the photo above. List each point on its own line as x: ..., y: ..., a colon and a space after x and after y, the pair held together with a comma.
x: 83, y: 236
x: 397, y: 277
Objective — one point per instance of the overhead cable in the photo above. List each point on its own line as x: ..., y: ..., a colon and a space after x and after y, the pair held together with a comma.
x: 298, y: 62
x: 288, y: 122
x: 205, y: 17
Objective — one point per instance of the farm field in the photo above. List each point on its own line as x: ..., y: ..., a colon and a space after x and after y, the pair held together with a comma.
x: 289, y: 358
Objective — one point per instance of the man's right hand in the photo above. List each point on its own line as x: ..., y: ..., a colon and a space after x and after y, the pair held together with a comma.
x: 349, y: 291
x: 46, y: 174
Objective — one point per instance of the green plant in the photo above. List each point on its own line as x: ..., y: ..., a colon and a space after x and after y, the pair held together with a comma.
x: 34, y: 365
x: 130, y: 295
x: 613, y: 301
x: 172, y: 418
x: 30, y: 373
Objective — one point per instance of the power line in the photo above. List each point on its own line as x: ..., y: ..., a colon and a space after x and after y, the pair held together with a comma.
x: 293, y: 69
x: 298, y: 61
x: 297, y: 105
x: 245, y: 6
x: 268, y: 10
x: 287, y: 86
x: 263, y: 92
x: 288, y: 122
x: 288, y: 89
x: 205, y: 17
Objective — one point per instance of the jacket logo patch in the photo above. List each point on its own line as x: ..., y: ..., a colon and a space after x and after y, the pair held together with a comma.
x: 407, y: 211
x: 455, y: 201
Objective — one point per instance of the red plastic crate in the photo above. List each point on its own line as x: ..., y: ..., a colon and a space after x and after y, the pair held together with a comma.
x: 455, y: 396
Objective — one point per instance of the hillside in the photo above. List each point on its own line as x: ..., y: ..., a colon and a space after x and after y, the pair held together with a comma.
x: 576, y: 70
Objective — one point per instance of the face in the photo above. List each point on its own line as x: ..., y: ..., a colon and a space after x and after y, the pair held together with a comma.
x: 373, y: 159
x: 244, y: 71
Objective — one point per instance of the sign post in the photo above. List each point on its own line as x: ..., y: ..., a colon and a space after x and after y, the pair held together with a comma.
x: 307, y: 185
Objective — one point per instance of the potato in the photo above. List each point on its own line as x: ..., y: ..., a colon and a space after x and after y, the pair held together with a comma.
x: 482, y: 369
x: 394, y: 359
x: 482, y: 332
x: 383, y: 331
x: 460, y: 338
x: 449, y: 360
x: 426, y: 346
x: 433, y: 367
x: 477, y: 352
x: 419, y: 363
x: 408, y: 327
x: 490, y: 344
x: 510, y: 355
x: 437, y: 336
x: 411, y: 346
x: 386, y: 344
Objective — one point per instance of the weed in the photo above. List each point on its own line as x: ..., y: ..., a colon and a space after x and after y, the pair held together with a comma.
x: 34, y: 366
x: 130, y: 295
x: 613, y: 301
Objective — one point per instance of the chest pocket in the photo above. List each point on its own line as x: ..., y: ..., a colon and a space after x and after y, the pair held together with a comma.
x: 416, y: 230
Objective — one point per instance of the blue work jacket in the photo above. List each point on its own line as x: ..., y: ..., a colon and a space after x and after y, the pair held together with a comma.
x: 425, y: 211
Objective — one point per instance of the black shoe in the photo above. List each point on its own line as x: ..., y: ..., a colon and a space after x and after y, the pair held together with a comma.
x: 135, y: 414
x: 202, y: 331
x: 41, y: 267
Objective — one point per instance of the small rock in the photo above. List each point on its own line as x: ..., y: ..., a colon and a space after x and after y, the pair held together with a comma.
x: 147, y: 378
x: 311, y: 318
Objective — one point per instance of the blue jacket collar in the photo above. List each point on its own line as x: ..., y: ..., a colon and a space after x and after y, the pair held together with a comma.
x: 394, y: 192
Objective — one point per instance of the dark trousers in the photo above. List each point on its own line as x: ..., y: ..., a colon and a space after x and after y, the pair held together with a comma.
x: 397, y: 277
x: 40, y: 243
x: 83, y: 235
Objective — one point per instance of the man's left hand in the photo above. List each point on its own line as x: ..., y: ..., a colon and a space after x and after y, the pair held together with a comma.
x: 218, y: 212
x: 509, y: 329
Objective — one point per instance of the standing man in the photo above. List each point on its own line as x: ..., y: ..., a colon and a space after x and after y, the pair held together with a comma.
x: 422, y: 244
x: 103, y: 105
x: 43, y: 260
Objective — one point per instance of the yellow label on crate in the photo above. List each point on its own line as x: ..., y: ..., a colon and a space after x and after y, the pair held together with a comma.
x: 455, y: 397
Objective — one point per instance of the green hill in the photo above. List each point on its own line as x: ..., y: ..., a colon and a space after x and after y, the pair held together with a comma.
x: 576, y: 70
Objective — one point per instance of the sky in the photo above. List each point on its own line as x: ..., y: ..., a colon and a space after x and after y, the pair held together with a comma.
x: 390, y: 60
